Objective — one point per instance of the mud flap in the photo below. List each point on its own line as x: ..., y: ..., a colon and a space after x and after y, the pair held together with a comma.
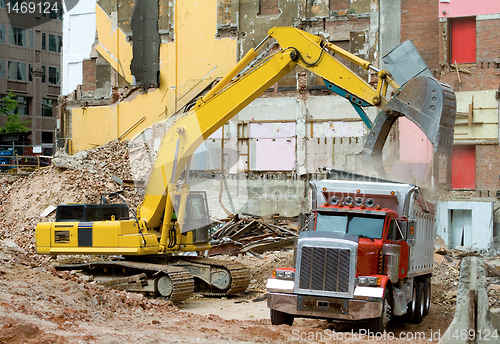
x: 428, y: 103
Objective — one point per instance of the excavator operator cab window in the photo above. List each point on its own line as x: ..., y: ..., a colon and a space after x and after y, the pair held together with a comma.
x: 91, y: 212
x: 73, y: 212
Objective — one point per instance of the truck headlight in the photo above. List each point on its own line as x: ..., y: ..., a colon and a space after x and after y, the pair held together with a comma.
x: 367, y: 281
x: 284, y: 274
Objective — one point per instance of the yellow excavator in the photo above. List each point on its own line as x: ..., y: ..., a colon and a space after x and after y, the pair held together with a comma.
x: 152, y: 239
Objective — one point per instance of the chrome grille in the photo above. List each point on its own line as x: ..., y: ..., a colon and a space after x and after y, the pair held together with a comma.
x: 325, y: 269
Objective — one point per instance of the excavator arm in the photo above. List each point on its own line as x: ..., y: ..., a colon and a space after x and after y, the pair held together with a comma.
x: 233, y: 93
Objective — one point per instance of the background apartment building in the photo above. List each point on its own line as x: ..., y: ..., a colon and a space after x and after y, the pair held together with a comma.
x: 30, y: 66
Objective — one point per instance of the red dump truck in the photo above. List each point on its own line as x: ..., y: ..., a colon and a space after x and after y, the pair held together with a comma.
x: 366, y: 255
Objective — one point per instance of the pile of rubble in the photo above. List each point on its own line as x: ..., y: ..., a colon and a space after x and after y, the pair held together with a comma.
x: 81, y: 178
x: 447, y: 270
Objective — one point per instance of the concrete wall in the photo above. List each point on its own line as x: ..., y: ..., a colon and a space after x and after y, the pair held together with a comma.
x: 263, y: 195
x: 474, y: 218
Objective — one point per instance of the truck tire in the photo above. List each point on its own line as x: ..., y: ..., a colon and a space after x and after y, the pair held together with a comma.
x: 418, y: 312
x: 410, y: 313
x: 427, y: 295
x: 381, y: 323
x: 281, y: 318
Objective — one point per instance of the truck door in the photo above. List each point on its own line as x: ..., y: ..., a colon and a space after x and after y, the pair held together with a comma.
x: 395, y: 236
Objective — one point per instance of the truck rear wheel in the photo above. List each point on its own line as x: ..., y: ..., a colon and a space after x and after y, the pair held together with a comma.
x: 381, y: 323
x: 427, y: 295
x: 281, y: 318
x: 419, y: 304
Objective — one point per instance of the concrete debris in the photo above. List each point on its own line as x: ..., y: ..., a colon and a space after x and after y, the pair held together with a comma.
x: 472, y: 304
x: 48, y: 211
x: 65, y: 161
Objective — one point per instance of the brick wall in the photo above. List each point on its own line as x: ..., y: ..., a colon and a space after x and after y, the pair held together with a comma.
x: 483, y: 76
x: 488, y: 44
x: 488, y: 168
x: 420, y: 23
x: 89, y: 75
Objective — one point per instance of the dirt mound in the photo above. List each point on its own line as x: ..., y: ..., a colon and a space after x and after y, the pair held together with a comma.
x: 13, y: 331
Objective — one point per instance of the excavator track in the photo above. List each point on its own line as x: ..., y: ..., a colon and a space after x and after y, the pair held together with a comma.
x: 173, y: 282
x: 239, y: 274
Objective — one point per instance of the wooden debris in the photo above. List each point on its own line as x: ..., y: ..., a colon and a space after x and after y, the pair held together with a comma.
x: 253, y: 234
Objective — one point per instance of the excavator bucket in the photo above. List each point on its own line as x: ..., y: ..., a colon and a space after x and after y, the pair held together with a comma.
x: 428, y: 103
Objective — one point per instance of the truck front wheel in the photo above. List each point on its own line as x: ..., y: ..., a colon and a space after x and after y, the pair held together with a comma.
x: 280, y: 318
x: 380, y: 324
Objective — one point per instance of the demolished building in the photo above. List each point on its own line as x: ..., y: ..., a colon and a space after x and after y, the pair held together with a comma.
x: 162, y: 55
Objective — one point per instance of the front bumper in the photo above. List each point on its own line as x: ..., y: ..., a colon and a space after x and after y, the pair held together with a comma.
x: 354, y: 310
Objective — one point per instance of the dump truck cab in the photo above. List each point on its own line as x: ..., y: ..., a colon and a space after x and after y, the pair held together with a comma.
x: 362, y: 258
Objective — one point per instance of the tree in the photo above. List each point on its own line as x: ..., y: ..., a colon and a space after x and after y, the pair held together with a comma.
x: 14, y: 123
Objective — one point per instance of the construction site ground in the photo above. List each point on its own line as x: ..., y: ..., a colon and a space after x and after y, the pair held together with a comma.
x: 41, y: 305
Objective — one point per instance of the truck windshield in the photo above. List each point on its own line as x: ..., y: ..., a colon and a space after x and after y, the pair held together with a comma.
x: 362, y: 225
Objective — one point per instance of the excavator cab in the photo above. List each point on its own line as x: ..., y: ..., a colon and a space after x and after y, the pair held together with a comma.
x: 196, y: 217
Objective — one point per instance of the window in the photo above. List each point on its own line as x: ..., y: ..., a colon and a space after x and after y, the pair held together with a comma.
x: 44, y: 41
x: 30, y: 72
x: 55, y: 43
x: 30, y: 39
x: 2, y: 3
x: 394, y: 232
x: 22, y: 102
x: 47, y: 137
x: 2, y: 68
x: 2, y: 33
x: 358, y: 224
x: 54, y: 75
x: 22, y: 107
x: 55, y: 14
x: 47, y: 107
x: 17, y: 36
x: 43, y: 74
x: 17, y: 70
x: 463, y: 40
